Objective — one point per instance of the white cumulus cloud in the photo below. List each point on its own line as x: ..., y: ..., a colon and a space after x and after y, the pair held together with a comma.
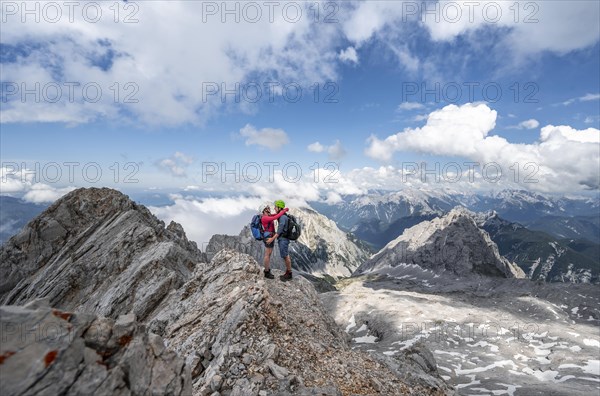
x: 176, y: 165
x: 202, y: 218
x: 563, y: 159
x: 170, y: 82
x: 336, y: 151
x: 557, y: 26
x: 270, y: 138
x: 410, y: 106
x: 349, y: 55
x: 590, y: 97
x: 164, y: 80
x: 316, y: 147
x: 529, y: 124
x: 40, y: 193
x: 25, y: 181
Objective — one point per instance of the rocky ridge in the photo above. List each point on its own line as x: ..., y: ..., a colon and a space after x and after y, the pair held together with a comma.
x: 273, y: 337
x: 105, y: 262
x: 97, y: 251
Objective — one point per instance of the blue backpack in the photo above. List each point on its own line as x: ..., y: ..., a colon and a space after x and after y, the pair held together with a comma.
x: 257, y: 228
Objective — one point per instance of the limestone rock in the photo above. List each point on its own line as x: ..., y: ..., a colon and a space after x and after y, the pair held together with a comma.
x: 96, y: 251
x: 452, y: 243
x: 49, y: 352
x: 116, y: 273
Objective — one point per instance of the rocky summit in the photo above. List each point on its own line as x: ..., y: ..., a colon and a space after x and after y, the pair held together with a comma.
x: 129, y: 306
x: 452, y: 243
x: 97, y: 251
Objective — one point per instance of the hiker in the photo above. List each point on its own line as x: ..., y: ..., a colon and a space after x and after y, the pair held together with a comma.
x: 267, y: 221
x: 282, y: 241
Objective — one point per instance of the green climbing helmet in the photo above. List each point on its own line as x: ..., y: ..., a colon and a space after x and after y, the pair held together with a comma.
x: 279, y: 204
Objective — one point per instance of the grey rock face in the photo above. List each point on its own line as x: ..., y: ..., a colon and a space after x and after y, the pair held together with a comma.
x: 452, y: 243
x: 271, y: 337
x: 49, y: 352
x: 96, y: 251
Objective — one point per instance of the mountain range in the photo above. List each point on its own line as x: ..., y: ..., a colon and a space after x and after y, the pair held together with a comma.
x: 136, y: 306
x: 543, y: 256
x: 380, y: 216
x: 452, y: 243
x: 551, y: 239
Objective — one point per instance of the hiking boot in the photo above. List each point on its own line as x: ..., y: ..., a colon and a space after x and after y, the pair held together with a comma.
x: 268, y: 274
x: 286, y: 277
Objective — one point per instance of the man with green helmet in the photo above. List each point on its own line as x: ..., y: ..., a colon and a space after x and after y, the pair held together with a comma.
x: 282, y: 241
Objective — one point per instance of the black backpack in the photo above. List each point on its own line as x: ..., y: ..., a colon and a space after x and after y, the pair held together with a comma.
x: 294, y: 229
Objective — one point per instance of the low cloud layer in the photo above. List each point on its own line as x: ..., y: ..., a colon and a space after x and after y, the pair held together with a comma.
x: 23, y: 182
x: 202, y: 218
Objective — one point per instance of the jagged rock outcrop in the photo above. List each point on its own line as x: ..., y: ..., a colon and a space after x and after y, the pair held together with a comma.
x: 49, y: 352
x: 272, y: 336
x: 452, y: 243
x: 96, y: 251
x: 322, y: 249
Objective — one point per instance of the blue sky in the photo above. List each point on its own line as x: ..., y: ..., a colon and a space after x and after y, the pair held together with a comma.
x: 371, y: 56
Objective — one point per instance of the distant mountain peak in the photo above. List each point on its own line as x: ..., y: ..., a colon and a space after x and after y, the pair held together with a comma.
x: 450, y: 243
x: 322, y: 249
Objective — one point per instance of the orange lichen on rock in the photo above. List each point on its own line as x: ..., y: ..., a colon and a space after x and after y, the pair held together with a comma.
x: 6, y: 355
x: 49, y: 358
x: 63, y: 315
x: 124, y: 340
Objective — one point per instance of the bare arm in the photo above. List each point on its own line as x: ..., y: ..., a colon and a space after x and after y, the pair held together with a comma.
x: 275, y: 216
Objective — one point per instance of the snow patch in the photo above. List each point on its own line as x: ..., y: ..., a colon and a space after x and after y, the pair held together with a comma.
x: 501, y: 363
x: 591, y: 367
x: 368, y: 339
x: 351, y: 324
x: 493, y: 348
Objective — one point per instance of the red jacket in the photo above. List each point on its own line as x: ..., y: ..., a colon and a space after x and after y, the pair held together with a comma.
x: 267, y: 221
